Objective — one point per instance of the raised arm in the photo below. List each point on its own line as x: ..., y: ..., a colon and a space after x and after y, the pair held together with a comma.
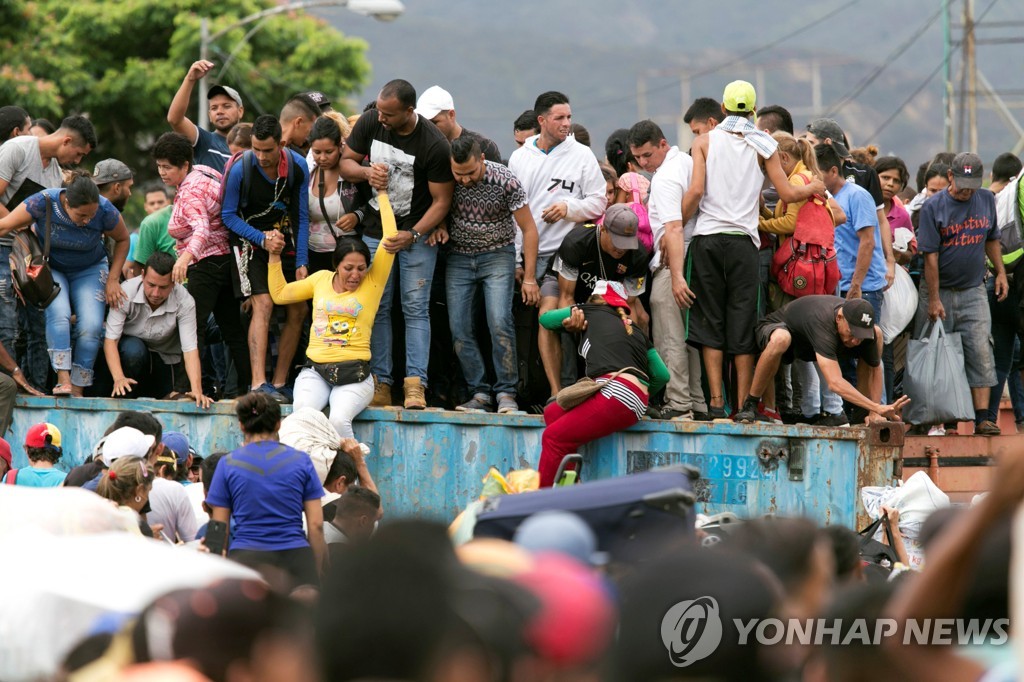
x: 179, y: 105
x: 787, y: 192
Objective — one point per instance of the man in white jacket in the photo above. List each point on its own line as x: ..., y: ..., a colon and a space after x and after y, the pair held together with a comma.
x: 564, y: 187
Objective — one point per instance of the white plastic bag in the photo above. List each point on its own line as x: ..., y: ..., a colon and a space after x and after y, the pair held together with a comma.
x: 899, y: 306
x: 915, y: 500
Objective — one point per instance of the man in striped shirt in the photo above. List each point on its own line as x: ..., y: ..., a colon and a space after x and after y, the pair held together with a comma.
x: 204, y: 264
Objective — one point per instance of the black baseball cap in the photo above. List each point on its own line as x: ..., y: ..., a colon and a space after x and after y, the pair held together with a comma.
x: 860, y: 315
x: 968, y: 171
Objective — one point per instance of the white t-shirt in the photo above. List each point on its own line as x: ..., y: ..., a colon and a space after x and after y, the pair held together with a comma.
x: 20, y: 160
x: 665, y: 201
x: 171, y: 507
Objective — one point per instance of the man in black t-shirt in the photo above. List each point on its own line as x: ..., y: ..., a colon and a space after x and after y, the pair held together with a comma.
x: 823, y: 329
x: 409, y: 158
x: 576, y: 267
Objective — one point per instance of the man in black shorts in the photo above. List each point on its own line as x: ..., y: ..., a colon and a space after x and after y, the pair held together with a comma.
x: 266, y: 207
x: 826, y: 330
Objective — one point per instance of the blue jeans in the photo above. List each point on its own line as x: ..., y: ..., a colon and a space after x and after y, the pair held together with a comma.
x: 82, y: 293
x: 494, y: 272
x: 1004, y: 340
x: 415, y: 268
x: 876, y: 299
x: 155, y: 378
x: 17, y: 319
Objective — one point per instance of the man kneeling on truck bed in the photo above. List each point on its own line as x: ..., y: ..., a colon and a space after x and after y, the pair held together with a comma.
x: 825, y: 330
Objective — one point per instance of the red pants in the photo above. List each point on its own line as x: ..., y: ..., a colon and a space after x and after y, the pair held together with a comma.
x: 567, y: 430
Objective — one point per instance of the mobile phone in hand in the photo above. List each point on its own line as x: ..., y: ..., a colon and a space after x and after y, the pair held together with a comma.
x: 216, y: 537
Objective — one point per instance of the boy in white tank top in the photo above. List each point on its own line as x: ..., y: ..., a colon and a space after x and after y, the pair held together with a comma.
x: 719, y: 277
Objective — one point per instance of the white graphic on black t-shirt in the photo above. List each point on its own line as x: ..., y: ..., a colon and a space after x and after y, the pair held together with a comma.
x: 400, y: 177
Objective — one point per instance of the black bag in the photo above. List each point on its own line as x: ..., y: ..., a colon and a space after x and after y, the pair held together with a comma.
x: 632, y: 516
x: 877, y: 557
x: 30, y: 267
x: 342, y: 373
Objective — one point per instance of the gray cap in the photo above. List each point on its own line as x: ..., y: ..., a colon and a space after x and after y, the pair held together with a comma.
x: 111, y: 170
x: 622, y: 223
x: 968, y: 171
x: 224, y: 90
x: 829, y: 129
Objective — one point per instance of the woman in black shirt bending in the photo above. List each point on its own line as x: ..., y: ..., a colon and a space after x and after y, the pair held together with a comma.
x: 611, y: 345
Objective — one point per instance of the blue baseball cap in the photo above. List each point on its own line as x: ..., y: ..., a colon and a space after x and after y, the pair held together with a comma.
x: 177, y: 442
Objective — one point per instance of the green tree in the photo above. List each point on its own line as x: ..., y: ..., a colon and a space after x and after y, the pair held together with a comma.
x: 120, y: 63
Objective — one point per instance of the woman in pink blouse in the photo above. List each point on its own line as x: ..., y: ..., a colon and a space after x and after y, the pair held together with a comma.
x: 205, y: 264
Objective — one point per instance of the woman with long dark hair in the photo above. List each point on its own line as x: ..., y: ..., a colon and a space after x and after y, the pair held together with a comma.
x: 345, y: 301
x: 335, y: 205
x: 263, y: 489
x: 79, y: 220
x: 619, y: 357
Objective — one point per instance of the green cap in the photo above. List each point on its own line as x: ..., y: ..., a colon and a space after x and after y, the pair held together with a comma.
x: 739, y: 96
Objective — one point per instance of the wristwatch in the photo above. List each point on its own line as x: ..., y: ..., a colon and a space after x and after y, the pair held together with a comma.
x: 416, y: 236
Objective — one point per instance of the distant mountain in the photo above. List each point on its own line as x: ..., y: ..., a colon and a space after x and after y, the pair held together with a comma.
x: 495, y: 57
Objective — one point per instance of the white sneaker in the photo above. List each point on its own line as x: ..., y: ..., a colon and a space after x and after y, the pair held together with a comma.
x: 937, y: 430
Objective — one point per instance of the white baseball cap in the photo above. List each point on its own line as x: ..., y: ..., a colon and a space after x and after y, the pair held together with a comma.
x: 433, y: 101
x: 125, y: 442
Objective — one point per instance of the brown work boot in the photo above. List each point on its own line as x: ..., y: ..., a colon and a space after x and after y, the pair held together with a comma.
x: 415, y: 399
x: 381, y: 394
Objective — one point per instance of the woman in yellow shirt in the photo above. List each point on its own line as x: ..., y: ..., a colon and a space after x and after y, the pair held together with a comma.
x: 345, y: 301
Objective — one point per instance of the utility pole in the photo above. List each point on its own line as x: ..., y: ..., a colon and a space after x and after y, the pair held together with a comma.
x: 947, y: 92
x: 972, y: 76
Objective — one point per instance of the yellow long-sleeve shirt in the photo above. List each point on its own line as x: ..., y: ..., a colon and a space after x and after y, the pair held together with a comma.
x: 784, y: 220
x: 342, y: 323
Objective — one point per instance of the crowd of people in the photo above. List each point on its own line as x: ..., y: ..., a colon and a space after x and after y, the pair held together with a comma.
x: 210, y: 297
x: 332, y: 597
x: 742, y: 279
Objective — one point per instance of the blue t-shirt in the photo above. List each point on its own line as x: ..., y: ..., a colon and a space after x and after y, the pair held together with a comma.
x: 859, y: 207
x: 38, y: 478
x: 133, y: 239
x: 72, y: 247
x: 957, y: 231
x: 265, y: 485
x: 211, y: 149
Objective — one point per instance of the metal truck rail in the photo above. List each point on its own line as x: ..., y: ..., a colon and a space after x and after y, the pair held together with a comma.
x: 430, y: 463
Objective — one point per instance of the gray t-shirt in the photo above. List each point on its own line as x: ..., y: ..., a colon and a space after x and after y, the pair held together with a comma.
x: 20, y: 160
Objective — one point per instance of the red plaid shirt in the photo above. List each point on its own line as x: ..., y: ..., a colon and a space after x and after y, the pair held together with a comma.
x: 195, y: 222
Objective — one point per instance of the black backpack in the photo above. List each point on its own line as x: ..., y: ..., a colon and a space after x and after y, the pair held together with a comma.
x: 247, y: 158
x: 30, y: 267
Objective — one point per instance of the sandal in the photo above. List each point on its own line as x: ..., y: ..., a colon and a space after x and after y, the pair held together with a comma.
x: 62, y: 389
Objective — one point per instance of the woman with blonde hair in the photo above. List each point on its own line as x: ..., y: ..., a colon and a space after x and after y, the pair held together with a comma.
x: 127, y: 484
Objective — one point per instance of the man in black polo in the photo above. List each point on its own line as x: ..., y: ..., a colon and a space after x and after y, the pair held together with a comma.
x: 824, y: 330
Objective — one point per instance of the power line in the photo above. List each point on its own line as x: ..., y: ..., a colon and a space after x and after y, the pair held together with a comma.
x: 923, y: 84
x: 891, y: 57
x: 732, y: 62
x: 908, y: 100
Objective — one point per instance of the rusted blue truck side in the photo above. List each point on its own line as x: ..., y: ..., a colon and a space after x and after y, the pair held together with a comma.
x: 431, y: 463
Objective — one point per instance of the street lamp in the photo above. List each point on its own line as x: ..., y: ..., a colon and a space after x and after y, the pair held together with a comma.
x: 382, y: 10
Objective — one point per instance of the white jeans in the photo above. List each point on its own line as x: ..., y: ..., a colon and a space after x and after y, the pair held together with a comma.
x: 346, y: 401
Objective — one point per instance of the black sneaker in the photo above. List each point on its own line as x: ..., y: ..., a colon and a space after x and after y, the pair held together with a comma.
x: 701, y: 416
x: 749, y: 413
x: 833, y: 420
x: 717, y: 414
